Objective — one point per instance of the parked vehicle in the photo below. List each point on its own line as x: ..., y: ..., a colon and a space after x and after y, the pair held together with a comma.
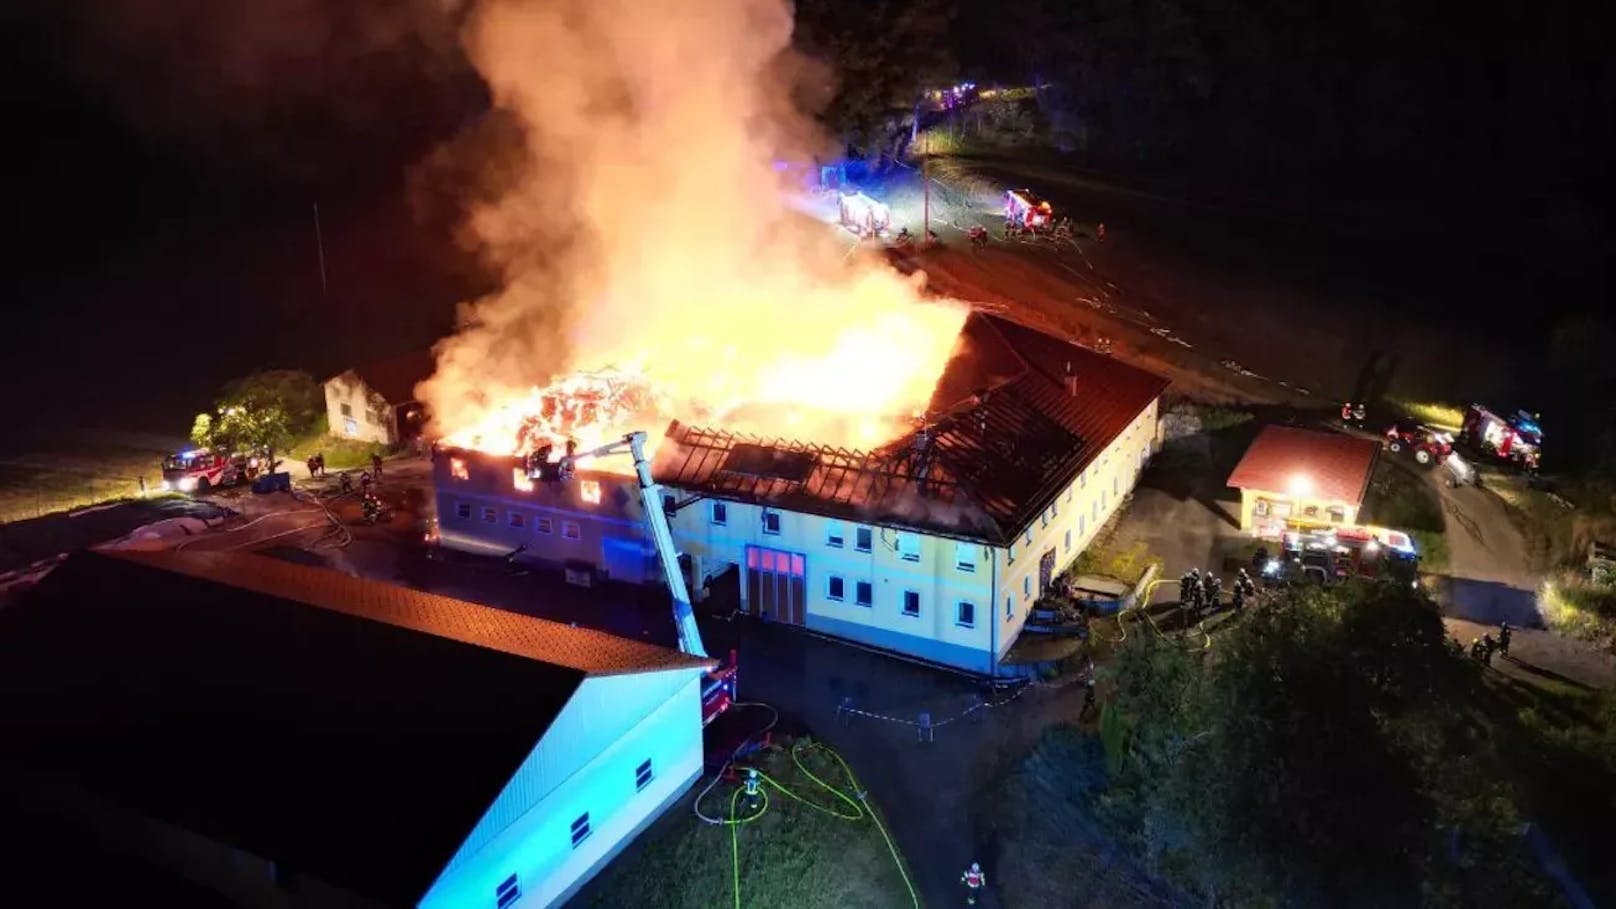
x: 1428, y: 446
x: 202, y: 469
x: 1516, y: 439
x: 1025, y: 211
x: 864, y: 216
x: 1335, y: 554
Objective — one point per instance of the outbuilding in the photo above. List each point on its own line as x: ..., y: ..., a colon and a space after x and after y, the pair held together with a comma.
x: 376, y: 402
x: 1293, y: 477
x: 286, y: 735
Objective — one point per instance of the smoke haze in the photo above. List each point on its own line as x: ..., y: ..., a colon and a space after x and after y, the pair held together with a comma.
x: 644, y: 226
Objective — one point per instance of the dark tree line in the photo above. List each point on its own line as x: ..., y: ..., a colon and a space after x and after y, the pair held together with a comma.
x: 1519, y: 93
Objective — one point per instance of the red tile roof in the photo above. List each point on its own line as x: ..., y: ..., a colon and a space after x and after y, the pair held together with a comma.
x: 1017, y: 415
x: 1335, y: 466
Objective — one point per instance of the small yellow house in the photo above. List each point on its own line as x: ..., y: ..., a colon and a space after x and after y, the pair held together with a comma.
x: 1302, y: 477
x: 376, y: 402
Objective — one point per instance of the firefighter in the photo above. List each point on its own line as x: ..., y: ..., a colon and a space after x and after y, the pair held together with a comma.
x: 1100, y: 231
x: 1214, y: 591
x: 751, y: 783
x: 1237, y: 596
x: 372, y: 507
x: 1488, y: 646
x: 376, y: 465
x: 1184, y: 588
x: 313, y: 466
x: 345, y: 481
x: 1504, y: 632
x: 974, y: 880
x: 319, y: 461
x: 1088, y: 688
x: 364, y: 482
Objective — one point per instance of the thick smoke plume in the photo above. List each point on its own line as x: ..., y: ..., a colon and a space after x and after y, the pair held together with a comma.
x: 646, y: 227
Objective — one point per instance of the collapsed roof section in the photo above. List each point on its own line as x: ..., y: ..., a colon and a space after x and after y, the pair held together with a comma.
x: 1016, y: 416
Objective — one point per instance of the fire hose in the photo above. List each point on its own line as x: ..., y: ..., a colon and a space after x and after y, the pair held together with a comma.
x: 856, y: 799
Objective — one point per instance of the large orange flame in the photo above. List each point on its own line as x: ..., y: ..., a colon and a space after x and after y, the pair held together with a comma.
x: 653, y: 266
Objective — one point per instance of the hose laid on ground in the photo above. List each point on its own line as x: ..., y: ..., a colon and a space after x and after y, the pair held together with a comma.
x: 857, y: 800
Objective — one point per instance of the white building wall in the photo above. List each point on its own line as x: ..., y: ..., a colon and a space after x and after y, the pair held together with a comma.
x: 933, y: 576
x: 586, y: 764
x: 1071, y: 521
x: 353, y: 411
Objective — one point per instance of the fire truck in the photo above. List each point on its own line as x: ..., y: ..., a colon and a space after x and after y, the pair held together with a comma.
x: 1025, y: 211
x: 1335, y: 554
x: 1517, y: 439
x: 202, y: 469
x: 864, y: 216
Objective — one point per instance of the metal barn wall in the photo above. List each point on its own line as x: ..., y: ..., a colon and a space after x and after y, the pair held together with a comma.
x: 491, y: 511
x: 586, y: 763
x: 1071, y: 521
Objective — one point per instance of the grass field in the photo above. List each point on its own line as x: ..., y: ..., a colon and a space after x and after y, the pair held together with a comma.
x: 796, y: 853
x: 1401, y: 499
x: 41, y: 483
x: 340, y: 454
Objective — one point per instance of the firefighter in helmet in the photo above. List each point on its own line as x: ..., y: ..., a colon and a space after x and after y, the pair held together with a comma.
x: 974, y: 880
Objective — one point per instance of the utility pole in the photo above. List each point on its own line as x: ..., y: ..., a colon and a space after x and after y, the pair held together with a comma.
x: 319, y: 245
x: 925, y: 183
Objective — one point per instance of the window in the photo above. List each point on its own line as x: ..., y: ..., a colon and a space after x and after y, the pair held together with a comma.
x: 909, y: 547
x: 965, y: 556
x: 350, y: 426
x: 863, y: 593
x: 1068, y: 539
x: 490, y: 514
x: 720, y: 514
x: 463, y: 510
x: 965, y: 614
x: 643, y: 775
x: 1043, y: 519
x: 1026, y: 587
x: 1009, y: 607
x: 1094, y: 510
x: 771, y: 522
x: 1338, y: 514
x: 861, y: 539
x: 347, y: 410
x: 457, y: 469
x: 668, y: 505
x: 1104, y: 502
x: 1260, y: 510
x: 834, y: 534
x: 911, y: 602
x: 541, y: 525
x: 580, y: 829
x: 1311, y: 511
x: 569, y: 530
x: 1011, y: 554
x: 1082, y: 523
x: 589, y: 491
x: 835, y: 587
x: 1083, y: 479
x: 515, y: 519
x: 1069, y: 493
x: 1029, y: 536
x: 1054, y: 509
x: 508, y: 892
x: 520, y: 481
x: 1116, y: 486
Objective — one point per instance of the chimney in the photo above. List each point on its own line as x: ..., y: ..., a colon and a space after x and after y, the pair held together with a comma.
x: 1071, y: 380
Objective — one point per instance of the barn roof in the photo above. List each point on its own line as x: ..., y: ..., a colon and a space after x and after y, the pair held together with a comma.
x: 1334, y: 467
x: 1017, y: 414
x: 351, y: 730
x: 395, y: 378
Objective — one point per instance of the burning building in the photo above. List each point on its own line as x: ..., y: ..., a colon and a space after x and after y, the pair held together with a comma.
x: 934, y: 545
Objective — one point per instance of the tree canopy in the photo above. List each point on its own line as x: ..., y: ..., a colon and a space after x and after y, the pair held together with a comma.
x: 1323, y: 753
x: 264, y: 410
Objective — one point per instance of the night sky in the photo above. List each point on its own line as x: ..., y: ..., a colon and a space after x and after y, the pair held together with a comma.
x: 170, y: 155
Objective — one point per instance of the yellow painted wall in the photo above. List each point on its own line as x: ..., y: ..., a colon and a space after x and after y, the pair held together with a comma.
x: 1080, y: 510
x: 1249, y: 520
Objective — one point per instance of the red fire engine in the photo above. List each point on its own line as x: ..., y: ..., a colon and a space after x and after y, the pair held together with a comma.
x: 1026, y: 211
x: 201, y: 469
x: 1518, y: 439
